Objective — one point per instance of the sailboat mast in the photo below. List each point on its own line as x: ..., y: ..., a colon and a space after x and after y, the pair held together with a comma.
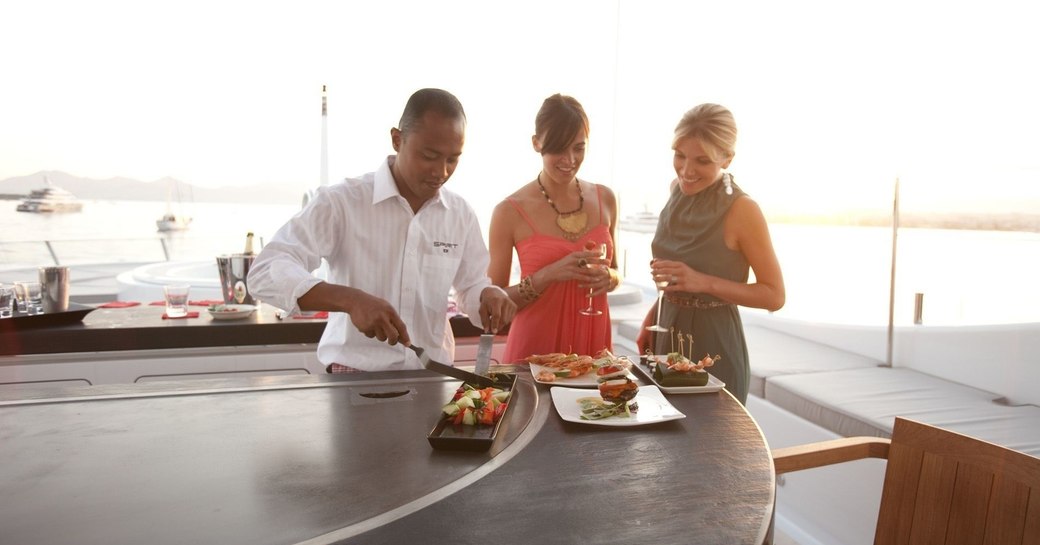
x: 324, y: 137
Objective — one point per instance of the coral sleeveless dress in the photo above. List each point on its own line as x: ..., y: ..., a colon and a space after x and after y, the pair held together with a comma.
x: 552, y: 322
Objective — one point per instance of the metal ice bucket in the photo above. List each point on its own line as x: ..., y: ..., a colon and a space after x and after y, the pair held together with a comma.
x: 54, y: 283
x: 233, y: 271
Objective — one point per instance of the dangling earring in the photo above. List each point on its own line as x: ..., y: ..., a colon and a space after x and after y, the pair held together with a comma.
x: 727, y: 180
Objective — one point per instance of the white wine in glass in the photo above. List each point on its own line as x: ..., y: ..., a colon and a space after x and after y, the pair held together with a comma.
x: 591, y: 311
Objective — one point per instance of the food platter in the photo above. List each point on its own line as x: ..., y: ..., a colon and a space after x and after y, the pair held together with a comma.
x: 230, y: 312
x: 588, y: 380
x: 713, y: 385
x: 475, y: 438
x: 653, y: 407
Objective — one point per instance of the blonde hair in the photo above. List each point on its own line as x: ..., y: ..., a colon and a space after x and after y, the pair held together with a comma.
x: 714, y: 126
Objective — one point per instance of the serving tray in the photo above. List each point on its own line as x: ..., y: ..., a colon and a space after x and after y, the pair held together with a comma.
x: 713, y: 385
x: 21, y: 321
x: 476, y: 438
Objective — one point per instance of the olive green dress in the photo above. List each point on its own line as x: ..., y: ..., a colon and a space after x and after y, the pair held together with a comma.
x: 690, y: 230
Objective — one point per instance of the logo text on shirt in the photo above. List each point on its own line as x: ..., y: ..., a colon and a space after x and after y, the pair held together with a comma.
x: 445, y: 247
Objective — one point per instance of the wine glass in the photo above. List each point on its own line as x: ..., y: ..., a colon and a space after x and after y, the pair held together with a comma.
x: 590, y: 311
x: 661, y: 282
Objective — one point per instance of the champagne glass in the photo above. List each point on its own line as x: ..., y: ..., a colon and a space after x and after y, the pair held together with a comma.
x: 590, y: 311
x: 661, y: 282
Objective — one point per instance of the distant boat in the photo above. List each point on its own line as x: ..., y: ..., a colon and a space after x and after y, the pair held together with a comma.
x: 172, y: 221
x: 50, y: 199
x: 640, y: 222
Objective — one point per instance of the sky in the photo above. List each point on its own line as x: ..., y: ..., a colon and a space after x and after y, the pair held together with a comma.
x: 834, y: 100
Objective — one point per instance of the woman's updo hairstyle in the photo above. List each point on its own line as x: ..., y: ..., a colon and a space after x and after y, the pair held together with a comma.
x: 558, y: 122
x: 714, y: 126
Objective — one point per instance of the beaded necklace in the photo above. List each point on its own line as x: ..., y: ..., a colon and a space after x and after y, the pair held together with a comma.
x: 572, y: 223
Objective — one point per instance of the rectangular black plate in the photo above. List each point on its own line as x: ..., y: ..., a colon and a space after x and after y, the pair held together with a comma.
x: 20, y: 321
x: 477, y: 438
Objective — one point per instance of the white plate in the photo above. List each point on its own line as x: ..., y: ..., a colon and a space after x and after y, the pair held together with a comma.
x: 713, y: 385
x: 653, y: 407
x: 588, y: 380
x: 231, y: 312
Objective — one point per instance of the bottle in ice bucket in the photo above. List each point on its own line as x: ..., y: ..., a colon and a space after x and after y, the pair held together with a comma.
x: 234, y: 269
x: 249, y: 244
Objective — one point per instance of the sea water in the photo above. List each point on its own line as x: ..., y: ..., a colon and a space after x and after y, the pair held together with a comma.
x: 835, y: 274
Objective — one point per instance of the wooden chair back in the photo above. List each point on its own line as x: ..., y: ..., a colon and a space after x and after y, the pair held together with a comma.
x: 944, y: 487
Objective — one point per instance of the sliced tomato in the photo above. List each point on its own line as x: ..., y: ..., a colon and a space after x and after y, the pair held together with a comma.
x: 500, y: 410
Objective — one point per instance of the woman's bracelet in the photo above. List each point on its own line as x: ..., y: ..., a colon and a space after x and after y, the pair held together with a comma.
x: 527, y: 290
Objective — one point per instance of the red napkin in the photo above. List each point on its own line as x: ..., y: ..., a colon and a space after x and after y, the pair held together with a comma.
x: 191, y: 314
x: 119, y: 304
x: 158, y: 303
x: 320, y: 315
x: 206, y: 302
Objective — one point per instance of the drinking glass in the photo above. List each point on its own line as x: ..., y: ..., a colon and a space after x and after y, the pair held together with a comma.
x: 590, y: 311
x: 661, y: 282
x: 176, y: 300
x: 31, y: 296
x: 6, y: 301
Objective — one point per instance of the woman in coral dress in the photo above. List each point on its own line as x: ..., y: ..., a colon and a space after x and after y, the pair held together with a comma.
x: 556, y: 223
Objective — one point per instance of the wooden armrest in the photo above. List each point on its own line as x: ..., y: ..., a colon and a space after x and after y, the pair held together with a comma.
x: 826, y: 453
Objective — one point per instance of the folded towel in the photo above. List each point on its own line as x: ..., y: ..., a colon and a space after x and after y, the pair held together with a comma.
x: 206, y: 302
x: 670, y: 379
x: 320, y: 315
x: 191, y: 314
x: 119, y: 304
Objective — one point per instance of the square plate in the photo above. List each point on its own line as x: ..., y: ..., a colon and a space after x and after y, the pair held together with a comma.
x: 713, y: 385
x: 588, y: 380
x: 478, y: 438
x: 653, y: 407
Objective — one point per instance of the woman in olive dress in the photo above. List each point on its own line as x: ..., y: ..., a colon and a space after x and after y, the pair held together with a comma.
x: 710, y: 234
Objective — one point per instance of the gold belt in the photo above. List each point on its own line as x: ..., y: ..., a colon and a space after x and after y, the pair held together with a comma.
x: 694, y: 302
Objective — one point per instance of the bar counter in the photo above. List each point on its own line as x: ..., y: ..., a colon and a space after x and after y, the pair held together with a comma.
x: 142, y: 328
x: 319, y: 459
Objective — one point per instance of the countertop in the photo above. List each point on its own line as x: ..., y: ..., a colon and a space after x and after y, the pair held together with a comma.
x: 312, y: 460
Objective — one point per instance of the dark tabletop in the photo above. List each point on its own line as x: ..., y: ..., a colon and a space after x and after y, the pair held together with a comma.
x: 312, y: 459
x: 89, y: 329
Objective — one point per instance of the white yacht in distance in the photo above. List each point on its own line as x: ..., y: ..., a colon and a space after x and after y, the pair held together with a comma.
x: 50, y: 199
x: 172, y: 221
x: 640, y: 222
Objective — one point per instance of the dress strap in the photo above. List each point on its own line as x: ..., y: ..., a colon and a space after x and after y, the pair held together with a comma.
x: 523, y: 213
x: 599, y: 199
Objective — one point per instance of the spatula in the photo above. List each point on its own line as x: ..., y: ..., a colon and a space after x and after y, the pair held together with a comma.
x: 436, y: 366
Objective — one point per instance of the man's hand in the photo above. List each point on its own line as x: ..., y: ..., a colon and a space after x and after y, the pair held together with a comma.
x: 496, y: 309
x: 371, y: 315
x: 376, y: 318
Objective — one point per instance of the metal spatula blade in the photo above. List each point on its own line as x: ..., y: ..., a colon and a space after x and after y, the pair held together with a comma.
x: 484, y: 354
x: 451, y: 371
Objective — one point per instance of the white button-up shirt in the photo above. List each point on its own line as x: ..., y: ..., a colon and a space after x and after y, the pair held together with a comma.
x: 373, y: 242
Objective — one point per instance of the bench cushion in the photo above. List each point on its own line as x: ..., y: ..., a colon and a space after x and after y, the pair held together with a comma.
x: 772, y: 354
x: 858, y: 402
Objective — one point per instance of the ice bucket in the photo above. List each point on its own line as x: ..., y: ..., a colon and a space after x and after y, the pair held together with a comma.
x: 233, y: 271
x: 54, y: 282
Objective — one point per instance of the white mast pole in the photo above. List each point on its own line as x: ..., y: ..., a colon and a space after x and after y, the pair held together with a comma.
x: 324, y: 137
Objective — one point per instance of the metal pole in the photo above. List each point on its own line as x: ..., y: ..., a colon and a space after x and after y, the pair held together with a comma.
x: 892, y: 278
x: 50, y: 249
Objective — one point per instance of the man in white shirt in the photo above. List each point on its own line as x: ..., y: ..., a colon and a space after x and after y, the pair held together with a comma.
x: 396, y: 243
